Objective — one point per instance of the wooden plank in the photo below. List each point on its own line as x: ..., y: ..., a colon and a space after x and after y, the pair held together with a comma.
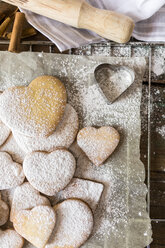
x: 158, y: 235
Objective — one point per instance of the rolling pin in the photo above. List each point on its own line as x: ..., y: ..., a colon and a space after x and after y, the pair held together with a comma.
x: 80, y: 14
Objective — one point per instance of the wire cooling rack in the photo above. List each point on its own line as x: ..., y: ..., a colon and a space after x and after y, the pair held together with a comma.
x: 151, y: 51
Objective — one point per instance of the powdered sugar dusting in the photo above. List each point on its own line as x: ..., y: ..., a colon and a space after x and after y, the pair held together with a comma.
x: 117, y: 220
x: 10, y: 238
x: 161, y: 131
x: 11, y: 173
x: 63, y: 136
x: 33, y: 111
x: 49, y: 172
x: 4, y: 133
x: 86, y: 190
x: 98, y: 144
x: 11, y: 147
x: 26, y: 197
x: 74, y: 224
x: 113, y: 80
x: 36, y: 225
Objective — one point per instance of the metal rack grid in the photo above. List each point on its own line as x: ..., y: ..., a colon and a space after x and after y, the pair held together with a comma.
x: 149, y: 50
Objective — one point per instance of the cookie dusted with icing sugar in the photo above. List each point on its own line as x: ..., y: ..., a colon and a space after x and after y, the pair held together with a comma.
x: 98, y: 144
x: 35, y: 110
x: 4, y: 133
x: 35, y: 225
x: 10, y: 239
x: 63, y: 136
x: 74, y: 224
x: 49, y: 172
x: 12, y: 148
x: 86, y: 190
x: 26, y: 197
x: 4, y: 212
x: 11, y: 173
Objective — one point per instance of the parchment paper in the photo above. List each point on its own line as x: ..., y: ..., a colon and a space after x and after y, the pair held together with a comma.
x: 121, y: 219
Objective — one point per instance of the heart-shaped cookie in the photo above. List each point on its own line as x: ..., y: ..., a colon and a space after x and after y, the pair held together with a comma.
x: 74, y: 224
x: 12, y: 148
x: 98, y: 144
x: 4, y: 212
x: 11, y: 173
x: 35, y: 225
x: 63, y: 136
x: 49, y: 172
x: 25, y: 198
x: 10, y: 239
x: 34, y: 110
x: 85, y: 190
x: 4, y: 133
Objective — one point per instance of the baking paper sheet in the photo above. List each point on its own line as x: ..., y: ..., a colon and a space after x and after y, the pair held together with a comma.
x: 121, y: 219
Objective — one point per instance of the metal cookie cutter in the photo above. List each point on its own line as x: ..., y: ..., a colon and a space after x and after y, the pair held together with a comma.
x: 113, y: 80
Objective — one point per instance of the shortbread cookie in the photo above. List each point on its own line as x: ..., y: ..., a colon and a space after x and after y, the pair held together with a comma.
x: 25, y: 198
x: 10, y: 239
x: 98, y: 144
x: 49, y: 172
x: 11, y: 147
x: 74, y: 224
x: 34, y: 110
x: 85, y: 190
x: 11, y: 173
x: 4, y: 132
x: 4, y: 212
x: 35, y: 225
x: 63, y: 136
x: 7, y: 196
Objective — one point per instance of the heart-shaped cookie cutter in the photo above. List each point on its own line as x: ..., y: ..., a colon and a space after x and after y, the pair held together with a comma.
x: 113, y: 80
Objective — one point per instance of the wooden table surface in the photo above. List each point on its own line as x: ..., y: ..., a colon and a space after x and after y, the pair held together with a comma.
x: 157, y: 180
x: 157, y: 171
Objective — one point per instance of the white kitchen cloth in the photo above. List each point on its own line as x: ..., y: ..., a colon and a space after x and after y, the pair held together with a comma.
x: 147, y: 14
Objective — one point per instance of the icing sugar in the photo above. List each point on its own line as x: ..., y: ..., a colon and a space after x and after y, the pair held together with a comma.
x: 36, y: 225
x: 4, y: 132
x: 98, y: 144
x: 26, y: 197
x: 86, y: 190
x: 10, y: 239
x: 11, y: 173
x: 33, y: 110
x: 11, y: 147
x: 74, y: 224
x: 49, y: 172
x: 63, y: 136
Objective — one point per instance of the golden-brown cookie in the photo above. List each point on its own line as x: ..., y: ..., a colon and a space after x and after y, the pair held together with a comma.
x: 35, y: 110
x: 98, y: 144
x: 35, y: 225
x: 74, y: 224
x: 63, y: 136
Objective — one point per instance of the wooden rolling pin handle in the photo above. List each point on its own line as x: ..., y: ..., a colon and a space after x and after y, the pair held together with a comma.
x: 14, y: 45
x: 109, y: 24
x: 80, y: 14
